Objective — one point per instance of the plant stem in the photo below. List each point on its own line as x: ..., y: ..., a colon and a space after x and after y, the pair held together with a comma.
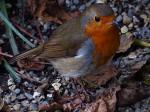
x: 12, y: 72
x: 15, y: 30
x: 9, y: 31
x: 142, y: 43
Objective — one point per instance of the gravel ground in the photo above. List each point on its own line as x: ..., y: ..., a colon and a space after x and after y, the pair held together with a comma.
x: 133, y: 17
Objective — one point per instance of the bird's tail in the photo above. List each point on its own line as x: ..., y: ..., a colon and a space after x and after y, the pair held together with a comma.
x: 27, y: 54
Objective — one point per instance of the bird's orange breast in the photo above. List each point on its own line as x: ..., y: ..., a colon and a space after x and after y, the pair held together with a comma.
x: 106, y: 39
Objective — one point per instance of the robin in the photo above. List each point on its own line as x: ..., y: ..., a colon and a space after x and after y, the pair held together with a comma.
x: 81, y: 45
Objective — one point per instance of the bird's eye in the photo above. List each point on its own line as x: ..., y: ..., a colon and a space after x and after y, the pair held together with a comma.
x: 97, y: 19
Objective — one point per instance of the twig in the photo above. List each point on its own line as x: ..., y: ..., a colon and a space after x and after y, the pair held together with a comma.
x: 142, y: 43
x: 22, y: 29
x: 43, y: 63
x: 39, y: 31
x: 28, y: 78
x: 7, y: 55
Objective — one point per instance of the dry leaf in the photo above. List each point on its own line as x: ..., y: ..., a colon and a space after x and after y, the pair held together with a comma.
x: 30, y: 65
x: 49, y: 10
x: 104, y: 76
x: 106, y: 102
x: 132, y: 93
x: 50, y: 107
x: 125, y: 42
x: 98, y: 106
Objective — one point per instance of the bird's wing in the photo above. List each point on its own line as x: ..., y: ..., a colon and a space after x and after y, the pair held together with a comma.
x: 64, y: 42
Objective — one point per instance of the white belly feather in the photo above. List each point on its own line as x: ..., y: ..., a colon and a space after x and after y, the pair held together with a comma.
x: 78, y: 65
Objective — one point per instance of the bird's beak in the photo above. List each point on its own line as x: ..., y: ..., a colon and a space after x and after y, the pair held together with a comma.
x: 114, y: 23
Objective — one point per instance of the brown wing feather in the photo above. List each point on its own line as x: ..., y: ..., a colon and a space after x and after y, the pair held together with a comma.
x: 64, y: 42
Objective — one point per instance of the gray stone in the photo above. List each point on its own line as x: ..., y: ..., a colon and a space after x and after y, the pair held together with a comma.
x: 135, y: 19
x: 29, y: 96
x: 17, y: 91
x: 17, y: 107
x: 119, y: 18
x: 21, y: 97
x: 33, y: 106
x: 130, y: 25
x: 130, y: 12
x: 82, y: 8
x: 25, y: 103
x: 7, y: 99
x: 76, y: 2
x: 13, y: 98
x: 126, y: 19
x: 73, y: 7
x: 68, y: 3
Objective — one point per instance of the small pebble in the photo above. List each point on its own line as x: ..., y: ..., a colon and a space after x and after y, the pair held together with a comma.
x: 17, y: 107
x: 73, y: 7
x: 82, y: 8
x: 68, y: 3
x: 132, y: 56
x: 46, y: 27
x: 119, y: 18
x: 130, y: 25
x: 36, y: 94
x: 126, y: 19
x: 17, y: 90
x: 76, y: 2
x: 13, y: 98
x: 1, y: 41
x: 1, y: 90
x: 7, y: 99
x: 89, y: 3
x: 49, y: 96
x: 135, y: 19
x: 26, y: 84
x: 10, y: 82
x: 25, y: 103
x: 34, y: 101
x: 124, y: 29
x: 29, y: 96
x: 56, y: 86
x: 12, y: 87
x: 101, y: 1
x: 21, y: 97
x: 33, y: 107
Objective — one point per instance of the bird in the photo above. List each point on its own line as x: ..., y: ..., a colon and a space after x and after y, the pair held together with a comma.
x: 81, y: 45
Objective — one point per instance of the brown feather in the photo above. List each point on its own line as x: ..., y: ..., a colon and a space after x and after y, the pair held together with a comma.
x: 62, y: 43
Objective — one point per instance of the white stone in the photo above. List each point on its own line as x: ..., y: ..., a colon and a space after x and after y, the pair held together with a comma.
x: 124, y: 29
x: 49, y: 95
x: 101, y: 1
x: 56, y: 86
x: 36, y: 94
